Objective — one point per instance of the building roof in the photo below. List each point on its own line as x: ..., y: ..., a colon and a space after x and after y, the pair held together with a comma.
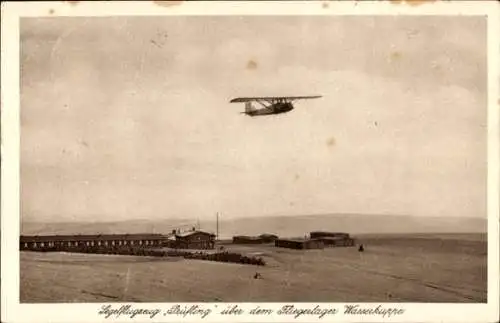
x: 190, y: 233
x: 268, y: 235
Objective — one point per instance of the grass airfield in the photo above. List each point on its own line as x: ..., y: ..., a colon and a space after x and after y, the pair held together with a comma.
x: 393, y: 268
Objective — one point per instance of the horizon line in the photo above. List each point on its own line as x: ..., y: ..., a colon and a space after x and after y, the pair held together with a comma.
x: 259, y: 216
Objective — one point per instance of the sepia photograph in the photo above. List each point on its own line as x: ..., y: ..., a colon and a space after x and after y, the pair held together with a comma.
x: 253, y: 158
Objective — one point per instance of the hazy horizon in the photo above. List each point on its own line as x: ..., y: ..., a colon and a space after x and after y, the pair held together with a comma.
x: 134, y: 122
x: 224, y: 217
x: 293, y: 226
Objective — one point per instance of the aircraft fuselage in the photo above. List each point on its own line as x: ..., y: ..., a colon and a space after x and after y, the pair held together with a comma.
x: 277, y: 108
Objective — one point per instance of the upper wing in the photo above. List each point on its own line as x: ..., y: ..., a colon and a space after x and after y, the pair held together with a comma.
x: 273, y: 98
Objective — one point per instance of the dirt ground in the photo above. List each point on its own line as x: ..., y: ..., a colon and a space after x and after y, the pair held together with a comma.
x: 406, y: 268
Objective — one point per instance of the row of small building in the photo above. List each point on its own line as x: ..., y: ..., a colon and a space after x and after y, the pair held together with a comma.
x: 194, y: 239
x: 187, y: 240
x: 316, y: 240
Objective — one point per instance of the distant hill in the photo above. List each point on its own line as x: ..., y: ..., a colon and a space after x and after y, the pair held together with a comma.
x: 352, y: 223
x: 281, y: 225
x: 133, y: 226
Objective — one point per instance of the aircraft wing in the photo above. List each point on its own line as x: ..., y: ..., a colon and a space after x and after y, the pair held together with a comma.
x: 273, y: 98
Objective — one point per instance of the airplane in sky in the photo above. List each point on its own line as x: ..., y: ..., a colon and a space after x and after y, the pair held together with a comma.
x: 270, y: 105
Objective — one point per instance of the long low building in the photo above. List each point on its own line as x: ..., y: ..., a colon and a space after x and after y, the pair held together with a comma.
x: 263, y: 238
x: 337, y: 241
x: 333, y: 239
x: 185, y: 240
x: 299, y: 244
x: 268, y: 237
x: 41, y: 242
x: 321, y: 234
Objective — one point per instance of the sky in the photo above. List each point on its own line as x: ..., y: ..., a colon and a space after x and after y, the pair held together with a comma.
x: 129, y: 117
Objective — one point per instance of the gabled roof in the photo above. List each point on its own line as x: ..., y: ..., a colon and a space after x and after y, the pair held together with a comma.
x: 268, y: 235
x: 190, y: 233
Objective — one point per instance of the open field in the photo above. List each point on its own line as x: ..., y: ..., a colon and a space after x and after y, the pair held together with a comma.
x: 395, y: 268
